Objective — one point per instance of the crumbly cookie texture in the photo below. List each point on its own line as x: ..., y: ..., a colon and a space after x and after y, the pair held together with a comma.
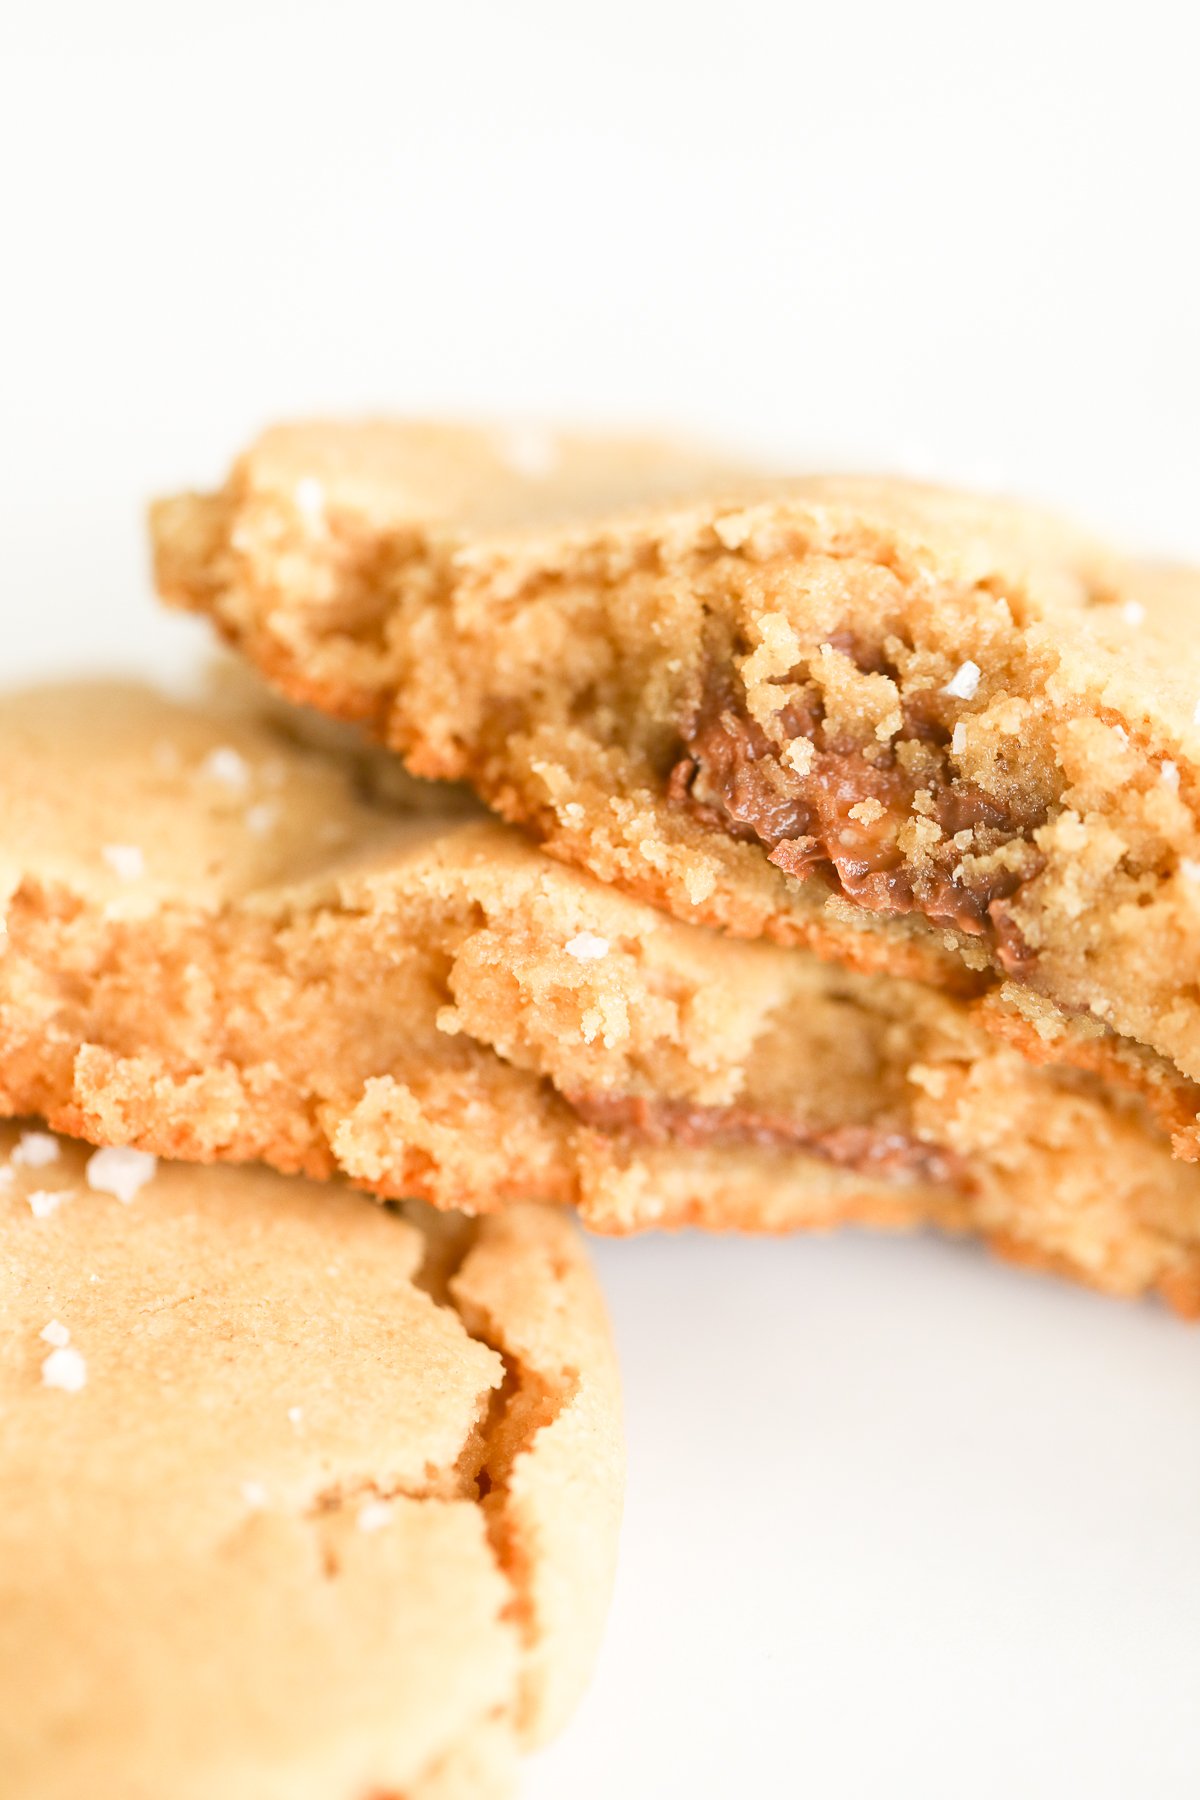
x: 942, y: 736
x: 223, y: 945
x: 299, y: 1495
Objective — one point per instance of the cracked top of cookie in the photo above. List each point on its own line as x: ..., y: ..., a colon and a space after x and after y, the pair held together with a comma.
x: 921, y: 731
x: 250, y: 1425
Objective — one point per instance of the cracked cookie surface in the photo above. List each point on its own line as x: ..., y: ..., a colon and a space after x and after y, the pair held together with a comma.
x: 222, y: 944
x: 300, y: 1495
x: 942, y: 736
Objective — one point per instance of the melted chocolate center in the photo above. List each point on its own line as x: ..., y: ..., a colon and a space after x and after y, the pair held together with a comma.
x: 874, y: 1150
x: 732, y: 776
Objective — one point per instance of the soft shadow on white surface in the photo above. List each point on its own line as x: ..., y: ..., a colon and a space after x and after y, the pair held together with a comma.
x: 900, y: 1520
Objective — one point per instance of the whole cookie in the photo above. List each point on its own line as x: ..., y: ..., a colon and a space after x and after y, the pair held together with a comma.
x: 299, y: 1495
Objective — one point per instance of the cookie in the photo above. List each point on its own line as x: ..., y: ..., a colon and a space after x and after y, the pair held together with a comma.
x: 301, y: 1495
x: 947, y: 737
x: 223, y: 944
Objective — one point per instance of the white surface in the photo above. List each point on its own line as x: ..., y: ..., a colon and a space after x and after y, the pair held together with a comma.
x: 900, y: 1521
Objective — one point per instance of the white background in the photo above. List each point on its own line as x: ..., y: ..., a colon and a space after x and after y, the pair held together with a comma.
x: 901, y: 1521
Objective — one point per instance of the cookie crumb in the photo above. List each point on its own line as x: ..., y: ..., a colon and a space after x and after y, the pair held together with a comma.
x: 374, y: 1515
x: 55, y: 1334
x: 120, y: 1171
x: 125, y: 860
x: 227, y: 766
x: 585, y: 946
x: 65, y: 1368
x: 35, y: 1149
x: 964, y: 683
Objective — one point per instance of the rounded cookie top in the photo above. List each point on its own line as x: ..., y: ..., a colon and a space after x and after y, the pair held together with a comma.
x: 431, y: 476
x: 249, y: 1428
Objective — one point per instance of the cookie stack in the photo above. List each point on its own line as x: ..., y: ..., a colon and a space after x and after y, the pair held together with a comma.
x: 927, y: 763
x: 836, y: 861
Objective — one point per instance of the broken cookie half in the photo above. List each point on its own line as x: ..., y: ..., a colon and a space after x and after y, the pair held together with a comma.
x: 941, y: 736
x: 224, y: 944
x: 301, y: 1496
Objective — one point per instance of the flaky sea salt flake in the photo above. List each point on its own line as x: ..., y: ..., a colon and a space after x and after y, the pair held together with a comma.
x: 374, y: 1515
x: 65, y: 1368
x: 262, y: 817
x: 529, y: 450
x: 228, y: 766
x: 585, y: 946
x: 310, y: 499
x: 36, y: 1150
x: 120, y: 1171
x: 125, y: 860
x: 43, y: 1202
x: 964, y: 683
x: 55, y: 1333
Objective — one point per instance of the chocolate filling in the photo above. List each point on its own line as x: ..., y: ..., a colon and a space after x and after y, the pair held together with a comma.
x: 869, y: 1149
x: 732, y: 776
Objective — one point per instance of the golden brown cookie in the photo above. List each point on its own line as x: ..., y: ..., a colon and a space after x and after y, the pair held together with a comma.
x: 299, y: 1495
x: 943, y: 736
x: 222, y: 944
